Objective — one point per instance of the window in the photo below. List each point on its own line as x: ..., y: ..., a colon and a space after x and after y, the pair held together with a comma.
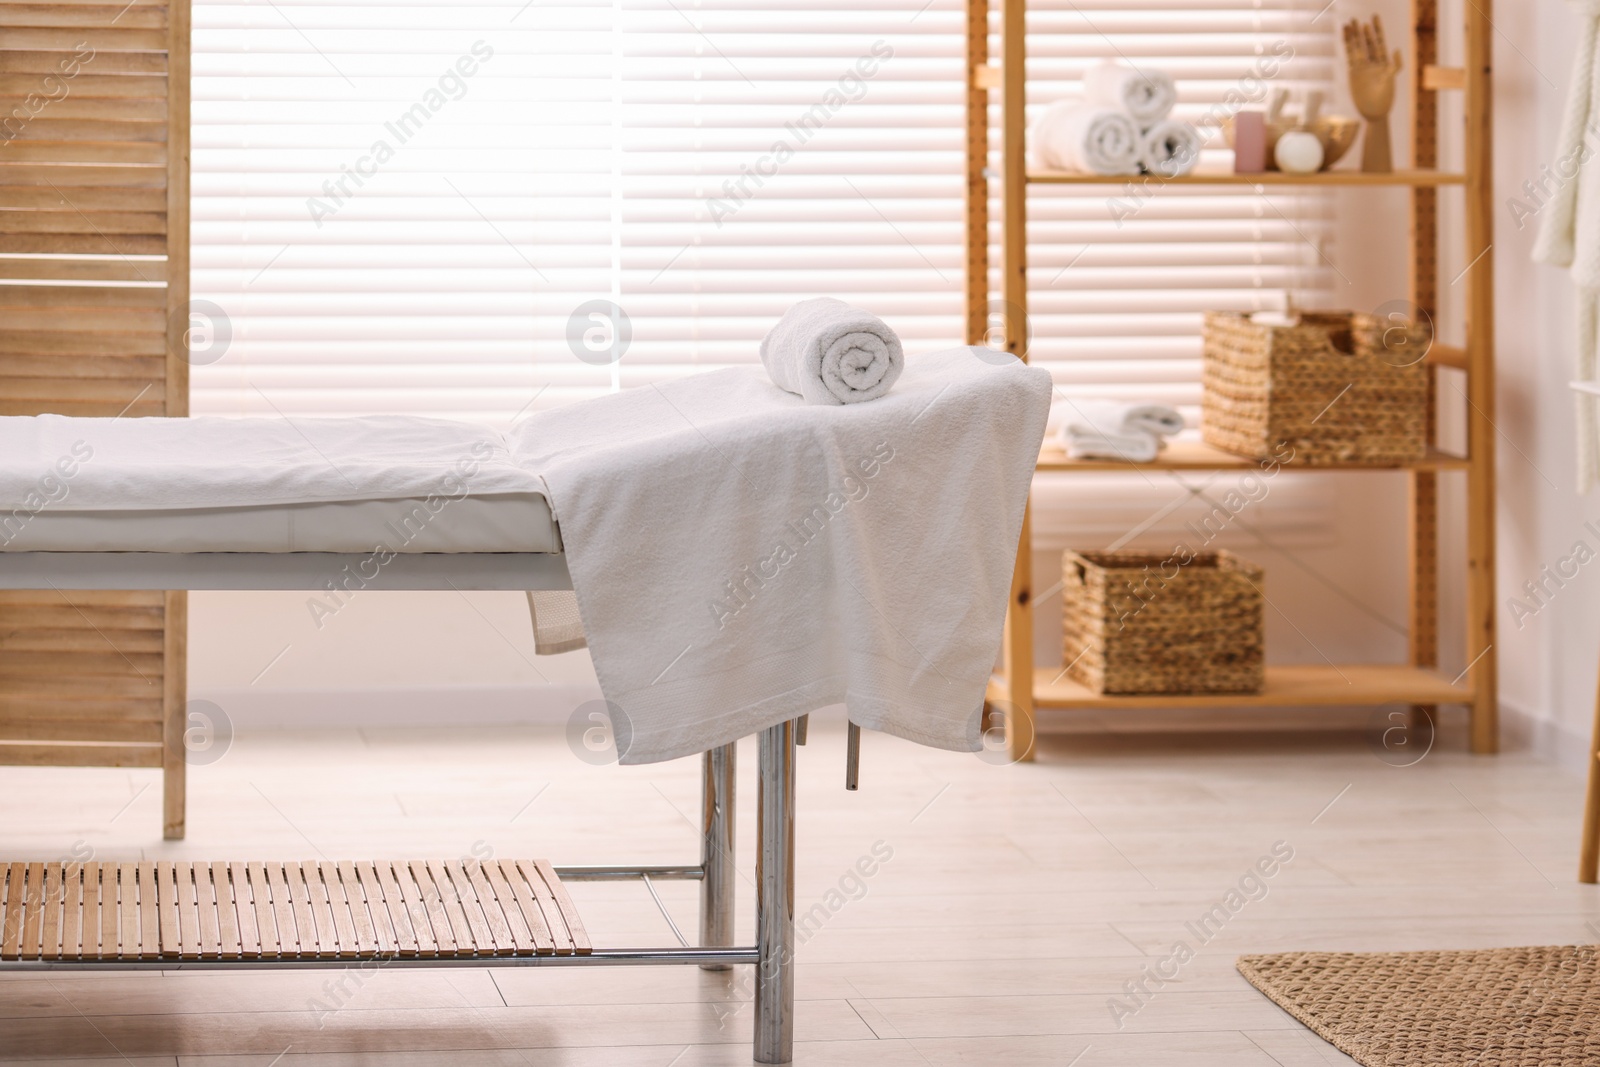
x: 426, y: 208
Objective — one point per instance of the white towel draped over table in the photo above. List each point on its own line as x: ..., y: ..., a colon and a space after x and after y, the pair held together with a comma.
x: 1569, y: 235
x: 741, y: 557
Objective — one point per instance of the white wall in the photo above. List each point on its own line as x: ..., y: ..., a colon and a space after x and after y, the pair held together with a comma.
x: 411, y: 657
x: 1548, y: 664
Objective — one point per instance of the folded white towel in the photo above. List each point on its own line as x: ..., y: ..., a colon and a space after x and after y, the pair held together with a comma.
x: 1147, y: 95
x: 1170, y: 148
x: 1081, y: 137
x: 1135, y: 446
x: 831, y: 353
x: 1110, y: 418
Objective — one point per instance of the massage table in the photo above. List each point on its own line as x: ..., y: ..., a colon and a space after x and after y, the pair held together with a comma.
x: 682, y: 490
x: 419, y: 913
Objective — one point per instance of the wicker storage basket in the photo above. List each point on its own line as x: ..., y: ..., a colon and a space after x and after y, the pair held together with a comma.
x: 1338, y: 387
x: 1139, y: 622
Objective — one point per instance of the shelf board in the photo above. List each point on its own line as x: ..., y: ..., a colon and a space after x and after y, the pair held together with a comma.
x: 1271, y: 177
x: 1197, y: 455
x: 1289, y: 685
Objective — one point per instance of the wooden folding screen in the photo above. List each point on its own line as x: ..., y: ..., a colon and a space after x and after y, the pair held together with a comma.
x: 94, y: 293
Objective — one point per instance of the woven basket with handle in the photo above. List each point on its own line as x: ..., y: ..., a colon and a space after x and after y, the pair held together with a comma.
x: 1145, y: 622
x: 1338, y: 387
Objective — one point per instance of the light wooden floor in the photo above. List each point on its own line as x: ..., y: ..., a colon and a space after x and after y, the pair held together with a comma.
x: 1017, y: 903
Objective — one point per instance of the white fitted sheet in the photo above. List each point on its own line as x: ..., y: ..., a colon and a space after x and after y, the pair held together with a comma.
x: 510, y: 522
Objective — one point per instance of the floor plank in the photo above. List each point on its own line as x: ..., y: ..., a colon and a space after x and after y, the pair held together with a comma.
x: 1007, y: 909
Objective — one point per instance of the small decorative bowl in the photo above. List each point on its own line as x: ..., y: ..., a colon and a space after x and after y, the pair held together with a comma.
x: 1336, y: 132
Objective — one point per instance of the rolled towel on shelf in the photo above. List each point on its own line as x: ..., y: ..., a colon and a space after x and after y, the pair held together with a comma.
x: 1111, y: 417
x: 832, y: 353
x: 1109, y: 429
x: 1170, y: 148
x: 1147, y: 95
x: 1136, y: 446
x: 1085, y: 138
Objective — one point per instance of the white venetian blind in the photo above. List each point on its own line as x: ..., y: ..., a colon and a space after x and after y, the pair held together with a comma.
x: 413, y: 207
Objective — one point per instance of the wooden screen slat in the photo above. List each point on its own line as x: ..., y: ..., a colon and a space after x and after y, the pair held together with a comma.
x: 34, y: 199
x: 83, y: 244
x: 27, y: 149
x: 84, y: 16
x: 112, y: 114
x: 61, y: 175
x: 86, y: 296
x: 149, y: 89
x: 82, y: 220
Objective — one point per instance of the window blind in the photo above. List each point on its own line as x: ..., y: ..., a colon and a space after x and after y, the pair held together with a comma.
x: 416, y: 207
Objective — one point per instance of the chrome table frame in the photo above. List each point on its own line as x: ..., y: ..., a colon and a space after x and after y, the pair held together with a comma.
x: 773, y: 953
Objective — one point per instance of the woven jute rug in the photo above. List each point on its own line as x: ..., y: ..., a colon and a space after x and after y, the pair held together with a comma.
x: 1503, y: 1007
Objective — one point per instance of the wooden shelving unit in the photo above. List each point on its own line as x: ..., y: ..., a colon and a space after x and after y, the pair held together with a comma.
x: 1024, y: 687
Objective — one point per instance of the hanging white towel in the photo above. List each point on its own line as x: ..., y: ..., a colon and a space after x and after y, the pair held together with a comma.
x: 1088, y: 139
x: 1169, y: 148
x: 1146, y: 95
x: 1569, y: 235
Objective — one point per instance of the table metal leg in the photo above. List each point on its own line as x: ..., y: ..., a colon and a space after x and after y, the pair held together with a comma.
x: 774, y: 1038
x: 716, y: 851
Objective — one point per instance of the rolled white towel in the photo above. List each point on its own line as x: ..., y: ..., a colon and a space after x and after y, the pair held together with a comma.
x: 1147, y: 95
x: 1170, y: 148
x: 1092, y: 140
x: 1110, y: 418
x: 832, y: 353
x: 1135, y: 446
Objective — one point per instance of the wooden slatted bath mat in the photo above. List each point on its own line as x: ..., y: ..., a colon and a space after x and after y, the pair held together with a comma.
x: 324, y: 911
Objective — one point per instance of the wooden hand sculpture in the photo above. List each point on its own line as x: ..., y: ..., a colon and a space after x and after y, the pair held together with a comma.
x: 1372, y: 76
